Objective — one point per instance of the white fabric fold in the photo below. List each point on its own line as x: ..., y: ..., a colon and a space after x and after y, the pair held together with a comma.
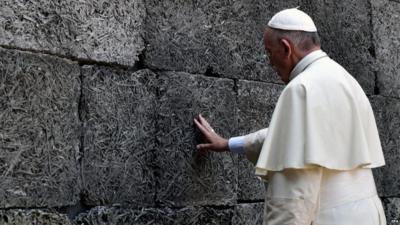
x: 321, y: 196
x: 322, y: 118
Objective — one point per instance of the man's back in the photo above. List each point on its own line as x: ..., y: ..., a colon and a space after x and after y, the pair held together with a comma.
x: 322, y: 118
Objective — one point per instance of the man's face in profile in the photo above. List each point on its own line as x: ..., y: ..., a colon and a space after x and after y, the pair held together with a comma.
x: 277, y: 56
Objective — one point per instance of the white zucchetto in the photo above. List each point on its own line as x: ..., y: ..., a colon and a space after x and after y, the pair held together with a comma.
x: 292, y: 19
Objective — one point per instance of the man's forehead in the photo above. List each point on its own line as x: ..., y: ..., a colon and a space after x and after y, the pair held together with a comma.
x: 267, y: 35
x: 267, y: 38
x: 267, y: 32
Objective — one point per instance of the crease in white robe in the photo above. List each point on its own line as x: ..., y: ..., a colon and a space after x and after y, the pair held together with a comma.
x: 321, y: 196
x: 322, y: 118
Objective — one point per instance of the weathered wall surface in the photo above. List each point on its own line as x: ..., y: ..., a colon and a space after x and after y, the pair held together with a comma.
x: 98, y: 98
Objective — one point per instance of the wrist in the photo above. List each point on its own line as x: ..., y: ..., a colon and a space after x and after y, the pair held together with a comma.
x: 225, y: 145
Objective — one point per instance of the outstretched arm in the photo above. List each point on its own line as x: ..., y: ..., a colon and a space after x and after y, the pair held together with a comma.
x: 214, y: 141
x: 249, y: 144
x: 253, y: 143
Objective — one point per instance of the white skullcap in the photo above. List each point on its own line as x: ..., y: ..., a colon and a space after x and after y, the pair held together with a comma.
x: 292, y: 19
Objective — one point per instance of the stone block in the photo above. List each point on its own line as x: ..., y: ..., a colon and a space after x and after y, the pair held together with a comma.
x: 256, y: 103
x: 387, y: 114
x: 119, y: 118
x: 223, y: 38
x: 392, y: 210
x: 106, y: 31
x: 346, y: 35
x: 32, y: 217
x: 186, y: 176
x: 386, y: 28
x: 250, y: 187
x: 156, y: 216
x: 40, y: 130
x: 102, y: 215
x: 248, y: 214
x: 197, y: 215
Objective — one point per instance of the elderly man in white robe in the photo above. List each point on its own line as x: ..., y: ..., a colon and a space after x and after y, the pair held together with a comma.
x: 322, y: 141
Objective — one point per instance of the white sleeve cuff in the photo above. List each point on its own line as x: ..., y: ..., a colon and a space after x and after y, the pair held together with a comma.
x: 236, y: 144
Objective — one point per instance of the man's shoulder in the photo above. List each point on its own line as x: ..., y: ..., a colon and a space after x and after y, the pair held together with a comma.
x: 325, y: 66
x: 323, y: 72
x: 295, y: 86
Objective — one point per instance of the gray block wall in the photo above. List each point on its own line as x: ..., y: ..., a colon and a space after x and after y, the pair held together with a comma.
x: 98, y: 99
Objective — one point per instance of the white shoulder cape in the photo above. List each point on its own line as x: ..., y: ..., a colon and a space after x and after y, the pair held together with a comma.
x: 322, y: 118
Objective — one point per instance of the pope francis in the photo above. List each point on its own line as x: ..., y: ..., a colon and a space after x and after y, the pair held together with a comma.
x: 322, y: 141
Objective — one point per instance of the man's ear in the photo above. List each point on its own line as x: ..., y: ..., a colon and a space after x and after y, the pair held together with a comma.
x: 287, y: 46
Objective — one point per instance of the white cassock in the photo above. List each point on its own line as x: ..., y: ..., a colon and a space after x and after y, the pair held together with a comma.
x: 319, y: 149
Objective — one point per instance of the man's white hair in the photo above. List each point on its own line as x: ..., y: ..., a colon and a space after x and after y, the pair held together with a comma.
x: 301, y: 39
